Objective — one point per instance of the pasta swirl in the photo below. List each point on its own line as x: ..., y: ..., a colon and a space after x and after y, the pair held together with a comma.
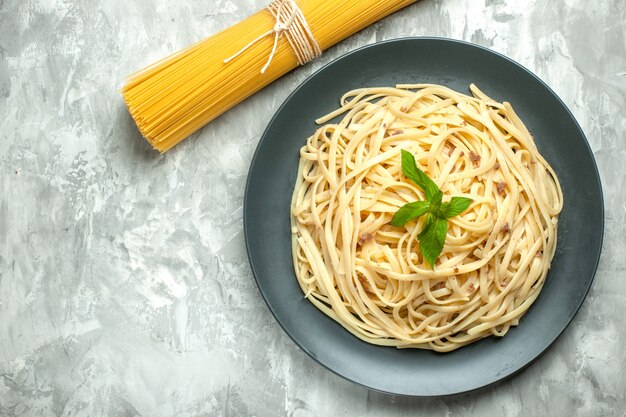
x: 368, y: 275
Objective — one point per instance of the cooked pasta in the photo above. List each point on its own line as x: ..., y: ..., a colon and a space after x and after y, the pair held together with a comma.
x: 370, y: 276
x: 173, y: 98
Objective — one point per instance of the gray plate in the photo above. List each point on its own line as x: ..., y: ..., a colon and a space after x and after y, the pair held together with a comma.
x: 456, y: 65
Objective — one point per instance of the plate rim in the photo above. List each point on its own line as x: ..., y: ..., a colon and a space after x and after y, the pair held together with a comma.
x: 246, y: 207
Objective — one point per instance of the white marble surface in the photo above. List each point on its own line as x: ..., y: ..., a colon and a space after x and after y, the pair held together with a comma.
x: 124, y: 284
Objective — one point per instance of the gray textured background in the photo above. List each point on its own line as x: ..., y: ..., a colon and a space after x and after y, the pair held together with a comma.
x: 124, y: 284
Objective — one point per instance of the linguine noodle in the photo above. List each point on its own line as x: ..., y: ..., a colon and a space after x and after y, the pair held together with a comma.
x: 370, y: 276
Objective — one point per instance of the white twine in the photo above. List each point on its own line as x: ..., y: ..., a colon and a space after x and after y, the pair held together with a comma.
x: 289, y: 21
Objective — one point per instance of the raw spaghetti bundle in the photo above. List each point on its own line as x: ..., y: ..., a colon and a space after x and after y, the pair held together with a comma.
x: 173, y: 98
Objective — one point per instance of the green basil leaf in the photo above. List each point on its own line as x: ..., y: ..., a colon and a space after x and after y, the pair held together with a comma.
x: 426, y: 227
x: 409, y: 212
x: 435, y: 202
x: 412, y: 172
x: 456, y: 206
x: 432, y: 238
